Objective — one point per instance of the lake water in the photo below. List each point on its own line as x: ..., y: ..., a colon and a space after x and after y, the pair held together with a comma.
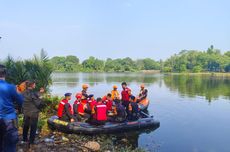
x: 194, y: 111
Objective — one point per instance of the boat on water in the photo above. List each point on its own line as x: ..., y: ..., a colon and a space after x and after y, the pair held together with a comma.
x: 144, y: 122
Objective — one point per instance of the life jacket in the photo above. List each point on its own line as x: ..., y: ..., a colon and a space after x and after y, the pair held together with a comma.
x: 142, y: 92
x: 92, y: 103
x: 133, y: 107
x: 75, y: 106
x: 115, y: 94
x: 61, y: 107
x: 125, y: 94
x: 108, y: 103
x: 81, y: 107
x: 101, y: 112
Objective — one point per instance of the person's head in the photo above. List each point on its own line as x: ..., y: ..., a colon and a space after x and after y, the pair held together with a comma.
x: 132, y: 98
x: 91, y: 97
x: 142, y: 86
x: 124, y: 85
x: 114, y: 87
x: 99, y: 100
x: 109, y: 96
x: 78, y: 96
x: 30, y: 84
x: 85, y: 86
x: 42, y: 90
x: 68, y: 96
x: 2, y: 71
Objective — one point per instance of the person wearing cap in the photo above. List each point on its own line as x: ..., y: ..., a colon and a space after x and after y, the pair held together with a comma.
x: 76, y: 104
x: 99, y: 113
x: 83, y: 108
x: 8, y: 117
x: 84, y: 89
x: 65, y: 111
x: 107, y: 100
x: 133, y: 110
x: 143, y: 93
x: 31, y: 107
x: 125, y: 94
x: 115, y: 94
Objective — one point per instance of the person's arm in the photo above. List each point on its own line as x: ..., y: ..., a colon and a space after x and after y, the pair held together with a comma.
x: 69, y: 115
x: 37, y: 101
x: 75, y: 106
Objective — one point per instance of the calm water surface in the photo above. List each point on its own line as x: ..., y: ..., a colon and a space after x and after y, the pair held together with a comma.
x: 194, y: 111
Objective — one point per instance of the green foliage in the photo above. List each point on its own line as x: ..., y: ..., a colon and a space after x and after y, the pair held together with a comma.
x: 197, y: 61
x: 65, y: 64
x: 93, y: 65
x: 38, y: 69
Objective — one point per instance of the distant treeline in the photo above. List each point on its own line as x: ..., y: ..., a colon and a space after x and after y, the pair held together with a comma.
x: 195, y: 61
x: 186, y: 61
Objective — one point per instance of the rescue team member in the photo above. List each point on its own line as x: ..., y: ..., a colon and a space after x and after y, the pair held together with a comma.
x: 8, y: 129
x: 107, y: 100
x: 65, y: 111
x: 99, y: 113
x: 31, y: 108
x: 125, y: 94
x: 119, y: 112
x: 83, y: 108
x: 133, y: 111
x: 92, y: 102
x: 143, y: 93
x: 115, y: 94
x: 84, y: 89
x: 76, y: 104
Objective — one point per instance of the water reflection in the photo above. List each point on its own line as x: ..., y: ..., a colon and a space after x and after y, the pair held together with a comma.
x: 209, y: 87
x: 130, y: 138
x: 191, y: 86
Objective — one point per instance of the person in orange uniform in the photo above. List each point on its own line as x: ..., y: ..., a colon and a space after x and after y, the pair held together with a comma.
x: 143, y: 93
x: 115, y: 94
x: 65, y: 111
x: 125, y: 94
x: 99, y: 113
x: 107, y: 100
x: 83, y: 108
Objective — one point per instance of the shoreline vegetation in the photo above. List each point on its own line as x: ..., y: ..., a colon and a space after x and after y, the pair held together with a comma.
x: 40, y: 68
x: 186, y: 61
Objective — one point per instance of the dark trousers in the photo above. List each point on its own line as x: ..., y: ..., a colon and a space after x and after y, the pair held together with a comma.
x: 8, y: 135
x: 30, y: 123
x: 126, y: 105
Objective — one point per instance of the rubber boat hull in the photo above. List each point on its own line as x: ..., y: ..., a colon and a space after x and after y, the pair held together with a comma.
x: 86, y: 128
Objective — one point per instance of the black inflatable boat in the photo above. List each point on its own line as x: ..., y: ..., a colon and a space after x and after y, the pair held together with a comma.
x: 85, y: 128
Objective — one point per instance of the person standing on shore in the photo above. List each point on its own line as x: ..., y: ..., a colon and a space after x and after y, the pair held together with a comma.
x: 8, y: 119
x: 31, y: 108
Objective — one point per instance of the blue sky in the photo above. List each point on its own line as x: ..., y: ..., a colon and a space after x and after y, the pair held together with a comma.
x: 112, y: 28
